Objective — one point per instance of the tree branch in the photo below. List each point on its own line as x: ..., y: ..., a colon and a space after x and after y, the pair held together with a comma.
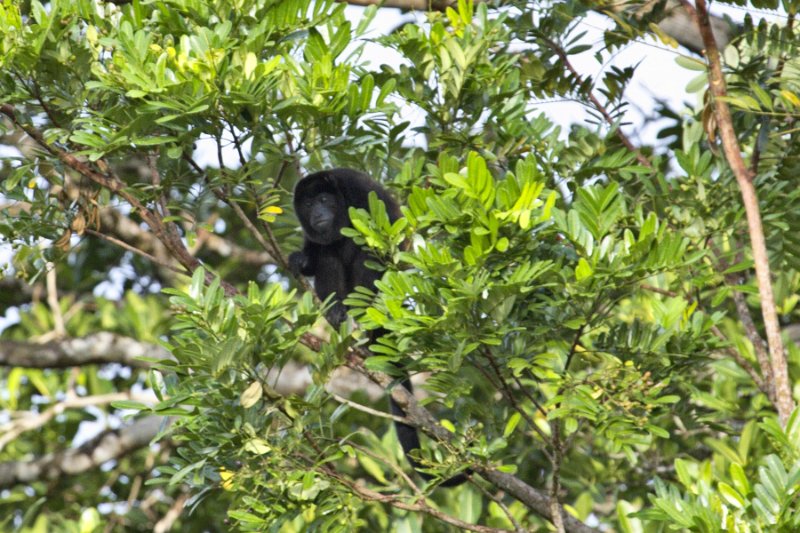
x: 99, y: 348
x: 33, y: 420
x: 419, y: 417
x: 598, y: 105
x: 105, y: 347
x: 746, y: 318
x: 733, y: 154
x: 109, y: 445
x: 165, y: 524
x: 743, y: 363
x: 105, y: 177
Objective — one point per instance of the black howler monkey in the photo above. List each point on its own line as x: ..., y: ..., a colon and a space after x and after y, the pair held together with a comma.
x: 321, y: 202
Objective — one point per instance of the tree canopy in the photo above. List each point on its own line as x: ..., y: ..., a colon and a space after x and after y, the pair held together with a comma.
x: 603, y: 333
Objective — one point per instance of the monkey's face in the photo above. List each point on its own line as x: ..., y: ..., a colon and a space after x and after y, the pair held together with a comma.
x: 323, y: 216
x: 321, y: 212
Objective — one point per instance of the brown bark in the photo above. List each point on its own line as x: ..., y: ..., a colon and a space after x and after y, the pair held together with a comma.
x: 733, y: 154
x: 108, y: 445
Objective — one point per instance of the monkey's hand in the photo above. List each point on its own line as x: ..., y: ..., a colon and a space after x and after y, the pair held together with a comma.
x: 336, y: 314
x: 299, y: 263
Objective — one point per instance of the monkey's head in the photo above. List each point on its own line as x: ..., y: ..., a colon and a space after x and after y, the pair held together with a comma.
x: 321, y: 207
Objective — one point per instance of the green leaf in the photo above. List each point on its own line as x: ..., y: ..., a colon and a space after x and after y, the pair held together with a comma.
x: 691, y: 63
x: 247, y: 518
x: 456, y: 53
x: 372, y: 467
x: 130, y: 404
x: 511, y: 425
x: 739, y: 478
x: 682, y: 469
x: 583, y: 270
x: 725, y: 450
x: 732, y: 496
x: 446, y: 424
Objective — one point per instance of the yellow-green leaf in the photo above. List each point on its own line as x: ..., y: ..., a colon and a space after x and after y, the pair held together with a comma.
x: 251, y: 395
x: 250, y: 63
x: 584, y: 270
x: 257, y: 446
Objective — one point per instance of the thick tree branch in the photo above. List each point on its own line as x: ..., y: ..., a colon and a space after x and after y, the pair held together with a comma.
x: 104, y: 348
x: 733, y: 155
x: 99, y: 348
x: 109, y: 445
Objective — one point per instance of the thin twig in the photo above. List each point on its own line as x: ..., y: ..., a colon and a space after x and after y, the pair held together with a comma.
x: 597, y: 104
x: 556, y: 514
x: 509, y: 396
x: 126, y: 246
x: 370, y: 410
x: 499, y: 501
x: 52, y: 301
x: 397, y: 470
x: 759, y: 345
x: 155, y: 176
x: 558, y: 452
x: 238, y: 145
x: 12, y: 430
x: 742, y: 362
x: 657, y: 290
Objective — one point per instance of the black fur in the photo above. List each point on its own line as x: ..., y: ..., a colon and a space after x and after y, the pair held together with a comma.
x: 335, y: 262
x: 321, y: 202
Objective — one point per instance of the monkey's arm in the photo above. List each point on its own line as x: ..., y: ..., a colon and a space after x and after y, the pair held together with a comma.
x: 305, y: 261
x: 331, y: 278
x: 324, y: 263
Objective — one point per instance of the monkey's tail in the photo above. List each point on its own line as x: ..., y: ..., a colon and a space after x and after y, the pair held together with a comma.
x: 409, y: 440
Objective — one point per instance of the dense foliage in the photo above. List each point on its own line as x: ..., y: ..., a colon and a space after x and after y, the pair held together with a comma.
x: 583, y: 313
